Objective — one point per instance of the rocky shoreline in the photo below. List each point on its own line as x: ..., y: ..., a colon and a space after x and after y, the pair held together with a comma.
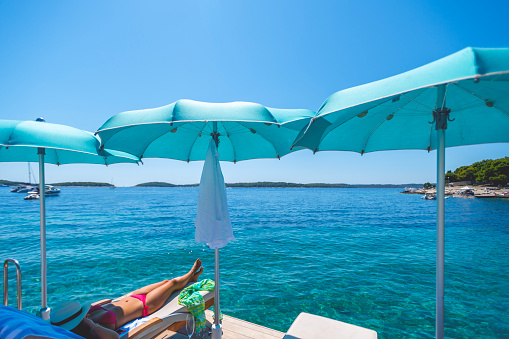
x: 462, y: 192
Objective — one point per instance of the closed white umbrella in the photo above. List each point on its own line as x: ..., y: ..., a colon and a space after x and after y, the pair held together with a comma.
x: 213, y: 225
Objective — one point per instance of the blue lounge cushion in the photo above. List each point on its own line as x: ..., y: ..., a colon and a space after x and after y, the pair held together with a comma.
x: 16, y: 324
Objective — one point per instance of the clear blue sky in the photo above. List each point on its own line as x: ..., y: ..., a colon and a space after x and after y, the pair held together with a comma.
x: 80, y: 62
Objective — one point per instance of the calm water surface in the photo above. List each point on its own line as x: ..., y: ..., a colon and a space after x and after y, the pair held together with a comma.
x: 363, y: 256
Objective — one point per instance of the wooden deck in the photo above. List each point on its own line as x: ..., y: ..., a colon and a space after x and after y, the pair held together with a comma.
x: 233, y: 328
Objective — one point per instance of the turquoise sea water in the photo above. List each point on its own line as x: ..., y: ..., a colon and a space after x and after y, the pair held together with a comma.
x: 363, y: 256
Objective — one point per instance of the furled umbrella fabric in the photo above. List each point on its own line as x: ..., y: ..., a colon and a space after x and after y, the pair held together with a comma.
x: 462, y: 99
x: 37, y: 141
x: 213, y: 224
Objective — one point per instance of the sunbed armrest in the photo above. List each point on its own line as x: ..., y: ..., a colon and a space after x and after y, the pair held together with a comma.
x: 152, y: 322
x: 101, y: 302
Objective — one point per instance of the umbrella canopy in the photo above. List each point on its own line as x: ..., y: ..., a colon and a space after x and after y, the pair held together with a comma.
x: 464, y: 96
x: 26, y: 141
x: 19, y: 141
x: 396, y: 113
x: 213, y: 225
x: 182, y: 130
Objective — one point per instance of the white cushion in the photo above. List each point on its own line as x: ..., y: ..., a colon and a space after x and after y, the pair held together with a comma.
x: 310, y: 326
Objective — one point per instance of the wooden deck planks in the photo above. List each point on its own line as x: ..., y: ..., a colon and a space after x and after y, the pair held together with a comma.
x: 233, y: 328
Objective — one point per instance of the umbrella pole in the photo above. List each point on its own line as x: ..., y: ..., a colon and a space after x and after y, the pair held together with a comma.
x: 441, y: 115
x: 440, y: 234
x: 44, y: 311
x: 217, y: 331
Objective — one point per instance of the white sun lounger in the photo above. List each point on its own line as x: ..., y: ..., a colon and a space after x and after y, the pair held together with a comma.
x: 309, y: 326
x: 171, y: 315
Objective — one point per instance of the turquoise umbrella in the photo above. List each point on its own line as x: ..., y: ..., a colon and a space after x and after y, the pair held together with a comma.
x: 465, y: 94
x: 183, y: 130
x: 37, y: 141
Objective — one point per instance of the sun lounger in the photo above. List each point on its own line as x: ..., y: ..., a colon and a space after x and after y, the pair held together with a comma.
x: 309, y: 326
x: 171, y: 316
x: 16, y: 324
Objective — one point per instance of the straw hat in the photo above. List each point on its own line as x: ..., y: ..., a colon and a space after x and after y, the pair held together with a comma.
x: 68, y: 314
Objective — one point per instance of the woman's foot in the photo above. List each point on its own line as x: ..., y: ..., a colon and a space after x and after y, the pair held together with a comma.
x: 194, y: 277
x: 196, y: 266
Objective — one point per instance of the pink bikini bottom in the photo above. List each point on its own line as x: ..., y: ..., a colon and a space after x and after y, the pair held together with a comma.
x: 142, y: 298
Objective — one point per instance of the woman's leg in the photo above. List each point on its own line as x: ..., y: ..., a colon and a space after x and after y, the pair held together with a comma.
x: 147, y: 289
x: 157, y: 297
x: 128, y: 309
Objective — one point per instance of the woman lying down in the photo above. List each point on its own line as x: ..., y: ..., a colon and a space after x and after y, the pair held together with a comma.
x: 102, y: 321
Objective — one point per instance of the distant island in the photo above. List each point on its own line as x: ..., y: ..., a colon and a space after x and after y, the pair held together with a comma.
x: 163, y: 184
x: 82, y: 184
x: 61, y: 184
x: 284, y: 185
x: 12, y: 183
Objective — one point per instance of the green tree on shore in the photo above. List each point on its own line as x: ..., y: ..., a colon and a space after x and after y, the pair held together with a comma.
x: 492, y: 172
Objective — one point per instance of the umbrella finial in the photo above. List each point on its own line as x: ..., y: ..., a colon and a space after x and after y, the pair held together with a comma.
x: 215, y: 137
x: 440, y: 118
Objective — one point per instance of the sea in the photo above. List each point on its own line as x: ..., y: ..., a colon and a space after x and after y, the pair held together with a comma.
x: 361, y: 256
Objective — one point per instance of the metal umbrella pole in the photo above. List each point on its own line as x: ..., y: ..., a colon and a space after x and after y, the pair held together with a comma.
x: 441, y: 115
x: 44, y: 312
x: 217, y: 331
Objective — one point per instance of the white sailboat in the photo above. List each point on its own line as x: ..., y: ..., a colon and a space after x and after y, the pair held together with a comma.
x: 25, y: 188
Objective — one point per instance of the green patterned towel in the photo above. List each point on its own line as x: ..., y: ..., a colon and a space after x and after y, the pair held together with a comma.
x: 193, y: 300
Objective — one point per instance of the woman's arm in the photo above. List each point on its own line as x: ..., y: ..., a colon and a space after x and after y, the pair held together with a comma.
x: 99, y: 331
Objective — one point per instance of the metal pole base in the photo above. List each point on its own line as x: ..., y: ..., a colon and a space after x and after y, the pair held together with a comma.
x: 44, y: 313
x: 217, y: 331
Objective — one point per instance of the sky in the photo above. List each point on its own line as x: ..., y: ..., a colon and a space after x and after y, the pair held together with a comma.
x: 78, y: 63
